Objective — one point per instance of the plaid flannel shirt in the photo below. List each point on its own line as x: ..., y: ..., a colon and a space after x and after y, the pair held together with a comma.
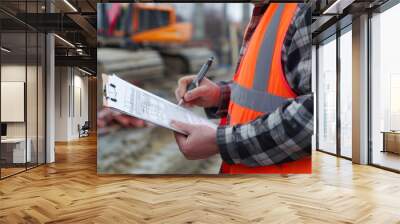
x: 285, y: 134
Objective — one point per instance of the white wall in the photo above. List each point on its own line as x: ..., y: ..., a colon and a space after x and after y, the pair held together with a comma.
x: 81, y: 89
x: 62, y: 81
x: 33, y: 126
x: 16, y: 73
x: 71, y: 94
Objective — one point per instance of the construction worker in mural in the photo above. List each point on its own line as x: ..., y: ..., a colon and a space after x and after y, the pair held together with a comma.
x: 266, y: 110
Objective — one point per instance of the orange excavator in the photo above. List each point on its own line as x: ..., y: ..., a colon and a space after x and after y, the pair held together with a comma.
x: 148, y: 31
x: 157, y: 24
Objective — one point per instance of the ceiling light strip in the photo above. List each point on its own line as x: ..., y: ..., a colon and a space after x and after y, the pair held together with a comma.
x: 337, y: 7
x: 84, y: 71
x: 70, y: 5
x: 64, y: 40
x: 5, y: 49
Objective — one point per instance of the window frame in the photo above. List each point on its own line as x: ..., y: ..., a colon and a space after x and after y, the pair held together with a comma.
x: 347, y: 27
x: 378, y: 10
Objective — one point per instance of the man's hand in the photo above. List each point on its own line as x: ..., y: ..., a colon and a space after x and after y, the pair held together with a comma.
x: 206, y: 95
x: 199, y: 143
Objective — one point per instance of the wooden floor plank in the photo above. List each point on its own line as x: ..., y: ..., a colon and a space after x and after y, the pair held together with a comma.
x: 70, y: 191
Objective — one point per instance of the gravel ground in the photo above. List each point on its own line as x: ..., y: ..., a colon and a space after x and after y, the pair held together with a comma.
x: 150, y: 150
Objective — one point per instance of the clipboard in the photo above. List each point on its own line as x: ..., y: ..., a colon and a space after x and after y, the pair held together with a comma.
x: 129, y: 99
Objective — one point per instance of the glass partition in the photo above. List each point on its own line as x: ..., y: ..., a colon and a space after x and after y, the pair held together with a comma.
x: 41, y: 96
x: 327, y: 96
x: 31, y: 96
x: 14, y: 153
x: 22, y: 88
x: 346, y: 93
x: 34, y: 49
x: 385, y: 89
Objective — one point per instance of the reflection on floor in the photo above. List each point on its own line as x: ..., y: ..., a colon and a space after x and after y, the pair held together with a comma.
x: 70, y: 191
x: 10, y: 171
x: 387, y: 159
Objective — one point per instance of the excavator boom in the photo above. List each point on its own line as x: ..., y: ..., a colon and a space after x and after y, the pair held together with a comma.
x: 174, y: 33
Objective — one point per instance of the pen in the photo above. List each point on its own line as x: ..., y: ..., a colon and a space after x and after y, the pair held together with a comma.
x: 199, y: 77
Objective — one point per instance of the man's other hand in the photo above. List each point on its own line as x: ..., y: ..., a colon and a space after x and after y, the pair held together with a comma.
x: 199, y: 143
x: 206, y: 95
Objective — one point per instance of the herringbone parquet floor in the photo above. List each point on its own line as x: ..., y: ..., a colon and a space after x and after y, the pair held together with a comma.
x: 70, y: 191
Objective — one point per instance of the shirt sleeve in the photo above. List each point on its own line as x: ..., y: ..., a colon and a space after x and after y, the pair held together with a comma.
x: 296, y: 51
x: 222, y: 109
x: 285, y: 134
x: 281, y: 136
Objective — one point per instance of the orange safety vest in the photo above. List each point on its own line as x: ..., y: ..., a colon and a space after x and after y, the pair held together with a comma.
x: 260, y: 86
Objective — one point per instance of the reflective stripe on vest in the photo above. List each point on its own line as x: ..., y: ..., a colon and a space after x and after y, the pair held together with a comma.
x: 256, y: 100
x: 264, y: 59
x: 260, y: 84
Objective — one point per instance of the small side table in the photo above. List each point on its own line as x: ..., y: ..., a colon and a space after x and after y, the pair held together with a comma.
x: 391, y: 141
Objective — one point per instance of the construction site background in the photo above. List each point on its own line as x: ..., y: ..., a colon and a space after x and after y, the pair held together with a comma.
x: 152, y: 45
